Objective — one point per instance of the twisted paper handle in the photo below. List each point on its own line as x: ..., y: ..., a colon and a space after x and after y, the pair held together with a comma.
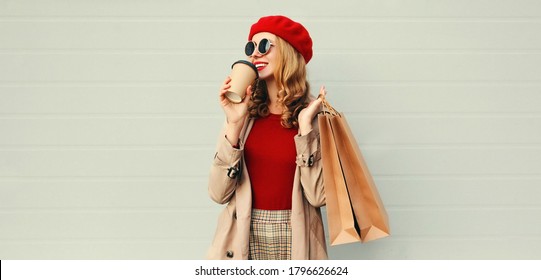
x: 327, y: 108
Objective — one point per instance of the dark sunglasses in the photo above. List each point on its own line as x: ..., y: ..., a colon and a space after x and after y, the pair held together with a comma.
x: 263, y: 47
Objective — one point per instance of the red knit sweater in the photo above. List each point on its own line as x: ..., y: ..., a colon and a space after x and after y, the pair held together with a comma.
x: 270, y: 154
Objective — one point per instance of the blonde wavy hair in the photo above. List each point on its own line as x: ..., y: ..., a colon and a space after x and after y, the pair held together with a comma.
x: 293, y: 88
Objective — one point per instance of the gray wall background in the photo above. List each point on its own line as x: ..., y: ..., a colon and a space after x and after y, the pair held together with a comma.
x: 109, y: 116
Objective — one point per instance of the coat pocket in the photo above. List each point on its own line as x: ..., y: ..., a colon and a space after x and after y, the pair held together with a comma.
x: 224, y: 243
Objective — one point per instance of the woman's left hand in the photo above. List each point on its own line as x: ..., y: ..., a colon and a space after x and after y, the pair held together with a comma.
x: 307, y: 114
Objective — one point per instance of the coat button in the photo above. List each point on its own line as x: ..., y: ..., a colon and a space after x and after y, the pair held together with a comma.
x: 232, y: 172
x: 311, y: 161
x: 229, y: 254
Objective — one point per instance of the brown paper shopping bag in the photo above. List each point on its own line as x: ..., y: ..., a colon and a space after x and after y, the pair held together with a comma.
x: 369, y: 215
x: 368, y: 208
x: 340, y: 220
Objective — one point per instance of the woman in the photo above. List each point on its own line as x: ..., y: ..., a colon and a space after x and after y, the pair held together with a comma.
x: 267, y: 164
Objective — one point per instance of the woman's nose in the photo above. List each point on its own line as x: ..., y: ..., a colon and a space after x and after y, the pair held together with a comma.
x: 255, y: 56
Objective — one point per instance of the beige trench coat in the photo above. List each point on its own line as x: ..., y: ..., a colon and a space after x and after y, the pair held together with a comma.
x: 229, y: 183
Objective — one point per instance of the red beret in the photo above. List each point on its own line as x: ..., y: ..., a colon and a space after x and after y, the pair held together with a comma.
x: 293, y: 32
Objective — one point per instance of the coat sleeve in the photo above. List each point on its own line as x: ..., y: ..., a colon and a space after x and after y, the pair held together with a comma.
x: 310, y: 165
x: 225, y: 170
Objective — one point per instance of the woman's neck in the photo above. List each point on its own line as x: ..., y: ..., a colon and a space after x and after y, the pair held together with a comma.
x: 272, y: 91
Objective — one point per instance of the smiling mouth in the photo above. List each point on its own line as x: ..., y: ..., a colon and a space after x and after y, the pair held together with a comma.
x: 260, y: 65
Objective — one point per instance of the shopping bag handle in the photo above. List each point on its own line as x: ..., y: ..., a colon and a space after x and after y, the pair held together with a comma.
x: 327, y: 108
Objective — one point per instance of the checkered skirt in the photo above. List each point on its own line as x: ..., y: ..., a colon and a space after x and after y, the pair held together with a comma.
x: 270, y: 235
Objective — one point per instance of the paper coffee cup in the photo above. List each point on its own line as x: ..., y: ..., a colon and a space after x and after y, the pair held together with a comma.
x: 243, y: 74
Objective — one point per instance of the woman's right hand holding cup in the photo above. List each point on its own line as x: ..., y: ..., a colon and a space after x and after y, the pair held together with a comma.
x: 235, y: 112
